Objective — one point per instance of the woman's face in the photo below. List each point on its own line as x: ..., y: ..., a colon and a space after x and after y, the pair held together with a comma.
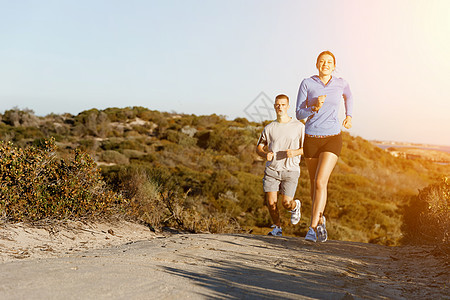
x: 325, y: 65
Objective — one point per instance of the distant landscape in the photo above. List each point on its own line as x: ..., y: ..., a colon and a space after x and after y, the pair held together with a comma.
x: 434, y: 153
x: 201, y: 173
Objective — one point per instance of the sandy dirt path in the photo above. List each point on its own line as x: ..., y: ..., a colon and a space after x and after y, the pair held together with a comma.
x: 211, y: 266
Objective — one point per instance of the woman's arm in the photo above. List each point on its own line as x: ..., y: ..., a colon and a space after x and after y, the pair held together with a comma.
x: 348, y: 101
x: 294, y: 152
x: 302, y: 110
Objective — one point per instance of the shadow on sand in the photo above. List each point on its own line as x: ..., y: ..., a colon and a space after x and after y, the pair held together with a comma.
x: 280, y: 268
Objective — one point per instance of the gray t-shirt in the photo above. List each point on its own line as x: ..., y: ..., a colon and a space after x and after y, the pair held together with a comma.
x: 279, y: 137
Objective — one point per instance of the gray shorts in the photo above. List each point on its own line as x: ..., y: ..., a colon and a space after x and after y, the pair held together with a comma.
x: 283, y: 181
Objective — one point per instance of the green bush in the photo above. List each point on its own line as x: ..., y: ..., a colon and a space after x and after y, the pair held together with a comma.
x: 133, y: 154
x: 87, y: 144
x: 36, y: 185
x: 180, y: 138
x: 114, y: 157
x: 92, y: 122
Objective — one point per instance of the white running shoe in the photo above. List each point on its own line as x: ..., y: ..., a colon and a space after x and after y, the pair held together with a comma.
x: 277, y: 231
x: 295, y: 213
x: 311, y: 235
x: 322, y: 234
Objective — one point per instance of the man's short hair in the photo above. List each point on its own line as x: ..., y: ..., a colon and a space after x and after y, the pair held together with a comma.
x: 282, y: 96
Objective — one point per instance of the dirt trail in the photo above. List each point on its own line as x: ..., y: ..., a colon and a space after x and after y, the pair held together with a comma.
x: 205, y: 266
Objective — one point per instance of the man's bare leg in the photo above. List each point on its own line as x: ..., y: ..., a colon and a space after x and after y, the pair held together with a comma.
x: 272, y: 201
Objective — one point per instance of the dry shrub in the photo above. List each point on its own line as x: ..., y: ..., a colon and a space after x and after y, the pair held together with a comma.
x: 16, y: 117
x: 158, y: 201
x: 427, y: 218
x: 145, y: 206
x: 195, y: 218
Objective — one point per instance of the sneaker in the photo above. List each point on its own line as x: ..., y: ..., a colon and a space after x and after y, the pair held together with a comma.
x: 322, y: 234
x: 277, y: 231
x: 295, y: 213
x: 311, y: 235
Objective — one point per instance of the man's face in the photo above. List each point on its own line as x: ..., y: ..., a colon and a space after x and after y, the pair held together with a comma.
x: 281, y: 106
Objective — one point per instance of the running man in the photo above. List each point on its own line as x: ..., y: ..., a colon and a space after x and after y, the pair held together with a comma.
x: 281, y: 145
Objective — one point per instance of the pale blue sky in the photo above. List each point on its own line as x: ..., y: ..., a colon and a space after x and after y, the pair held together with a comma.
x: 204, y: 57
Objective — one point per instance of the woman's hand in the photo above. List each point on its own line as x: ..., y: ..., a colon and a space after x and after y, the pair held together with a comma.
x: 347, y: 122
x: 294, y: 152
x: 320, y: 101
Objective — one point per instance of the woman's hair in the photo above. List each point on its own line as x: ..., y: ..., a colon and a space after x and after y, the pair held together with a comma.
x: 326, y: 52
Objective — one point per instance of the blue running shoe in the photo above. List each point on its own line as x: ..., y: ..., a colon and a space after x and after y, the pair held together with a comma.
x: 311, y: 235
x: 277, y: 231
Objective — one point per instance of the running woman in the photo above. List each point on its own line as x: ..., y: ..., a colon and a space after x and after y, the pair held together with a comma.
x: 318, y: 101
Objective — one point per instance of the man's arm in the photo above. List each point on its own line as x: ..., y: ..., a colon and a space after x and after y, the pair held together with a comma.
x: 299, y: 151
x: 263, y: 153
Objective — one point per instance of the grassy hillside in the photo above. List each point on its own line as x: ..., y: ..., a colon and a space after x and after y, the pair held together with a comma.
x: 208, y: 165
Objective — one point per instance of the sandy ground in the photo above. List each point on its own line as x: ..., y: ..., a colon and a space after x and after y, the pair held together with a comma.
x: 126, y: 260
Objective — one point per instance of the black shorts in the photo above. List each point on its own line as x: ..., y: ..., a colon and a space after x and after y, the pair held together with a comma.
x: 315, y: 145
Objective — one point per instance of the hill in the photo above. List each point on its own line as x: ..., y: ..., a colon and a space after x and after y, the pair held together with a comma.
x: 207, y: 166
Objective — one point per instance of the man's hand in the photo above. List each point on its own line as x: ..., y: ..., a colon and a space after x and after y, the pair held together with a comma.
x: 347, y: 122
x: 269, y: 156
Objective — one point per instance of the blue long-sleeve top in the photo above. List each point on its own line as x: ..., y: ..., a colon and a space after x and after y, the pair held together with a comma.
x: 325, y: 121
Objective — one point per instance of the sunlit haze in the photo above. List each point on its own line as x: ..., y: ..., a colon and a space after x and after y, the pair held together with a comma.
x: 205, y: 57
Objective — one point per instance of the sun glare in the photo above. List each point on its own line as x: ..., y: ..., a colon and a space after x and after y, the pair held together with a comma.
x: 433, y: 25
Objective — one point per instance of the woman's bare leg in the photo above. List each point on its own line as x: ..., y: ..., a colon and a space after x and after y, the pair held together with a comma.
x: 311, y: 164
x: 324, y: 165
